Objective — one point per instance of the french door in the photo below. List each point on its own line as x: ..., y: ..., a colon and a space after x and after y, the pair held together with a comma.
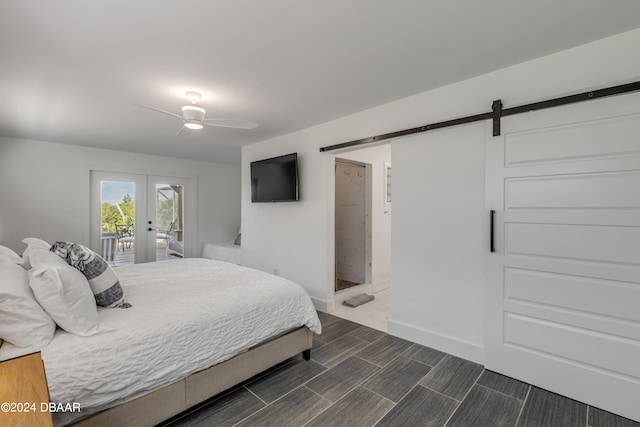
x: 563, y: 285
x: 139, y: 218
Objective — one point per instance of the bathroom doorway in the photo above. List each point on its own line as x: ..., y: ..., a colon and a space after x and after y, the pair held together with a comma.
x: 375, y: 162
x: 352, y: 224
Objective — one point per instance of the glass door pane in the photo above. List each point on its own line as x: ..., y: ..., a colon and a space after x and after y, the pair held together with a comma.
x: 169, y: 219
x: 117, y: 221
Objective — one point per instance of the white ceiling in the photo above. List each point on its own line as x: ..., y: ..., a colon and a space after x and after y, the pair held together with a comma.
x: 70, y: 71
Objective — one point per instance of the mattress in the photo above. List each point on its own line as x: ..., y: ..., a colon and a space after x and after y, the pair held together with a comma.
x: 186, y: 315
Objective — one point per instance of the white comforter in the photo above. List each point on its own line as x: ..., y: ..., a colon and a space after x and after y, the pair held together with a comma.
x: 187, y: 314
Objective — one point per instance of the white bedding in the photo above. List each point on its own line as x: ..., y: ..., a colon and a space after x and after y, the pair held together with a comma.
x: 186, y: 315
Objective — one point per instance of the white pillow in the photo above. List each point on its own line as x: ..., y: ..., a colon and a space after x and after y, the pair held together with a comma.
x: 39, y: 257
x: 64, y: 293
x: 7, y: 261
x: 23, y: 322
x: 33, y: 244
x: 8, y: 254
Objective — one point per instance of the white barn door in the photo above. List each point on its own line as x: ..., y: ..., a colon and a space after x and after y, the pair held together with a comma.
x: 563, y: 286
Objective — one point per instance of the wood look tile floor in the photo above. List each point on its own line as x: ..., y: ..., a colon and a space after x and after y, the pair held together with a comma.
x: 358, y: 376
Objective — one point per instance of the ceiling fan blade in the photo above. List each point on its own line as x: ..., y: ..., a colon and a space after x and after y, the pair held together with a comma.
x: 230, y: 123
x: 159, y: 111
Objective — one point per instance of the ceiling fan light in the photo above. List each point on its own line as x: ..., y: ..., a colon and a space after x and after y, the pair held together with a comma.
x: 193, y: 116
x: 193, y: 108
x: 192, y: 124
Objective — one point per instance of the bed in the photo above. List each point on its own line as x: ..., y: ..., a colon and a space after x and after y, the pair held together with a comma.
x: 195, y: 328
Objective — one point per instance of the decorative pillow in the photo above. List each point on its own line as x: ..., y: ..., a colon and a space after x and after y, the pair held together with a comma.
x: 33, y: 244
x: 23, y: 322
x: 64, y: 294
x: 102, y: 279
x: 6, y: 253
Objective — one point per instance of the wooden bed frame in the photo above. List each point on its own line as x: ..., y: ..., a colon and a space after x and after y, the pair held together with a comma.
x: 171, y: 400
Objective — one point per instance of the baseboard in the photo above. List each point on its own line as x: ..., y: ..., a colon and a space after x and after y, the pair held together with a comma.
x: 446, y: 343
x: 323, y: 305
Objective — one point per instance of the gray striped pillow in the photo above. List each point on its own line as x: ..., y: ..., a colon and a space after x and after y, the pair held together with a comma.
x: 101, y: 277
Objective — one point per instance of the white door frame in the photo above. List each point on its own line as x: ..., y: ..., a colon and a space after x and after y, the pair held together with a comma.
x: 145, y: 206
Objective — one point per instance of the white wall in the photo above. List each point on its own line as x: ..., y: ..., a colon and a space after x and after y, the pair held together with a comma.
x: 289, y: 239
x: 298, y: 238
x: 45, y: 191
x: 438, y: 257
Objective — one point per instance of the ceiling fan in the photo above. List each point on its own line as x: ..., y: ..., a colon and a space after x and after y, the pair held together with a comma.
x: 193, y: 116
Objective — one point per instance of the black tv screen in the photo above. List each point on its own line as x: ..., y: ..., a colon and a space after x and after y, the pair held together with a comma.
x: 275, y: 179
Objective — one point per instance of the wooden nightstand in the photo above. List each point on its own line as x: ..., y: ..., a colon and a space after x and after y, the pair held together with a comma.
x: 24, y: 393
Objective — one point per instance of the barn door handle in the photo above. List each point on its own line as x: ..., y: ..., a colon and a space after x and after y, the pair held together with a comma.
x: 492, y: 247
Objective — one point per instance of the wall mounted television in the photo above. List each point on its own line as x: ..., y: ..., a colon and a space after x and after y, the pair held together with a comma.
x: 275, y: 179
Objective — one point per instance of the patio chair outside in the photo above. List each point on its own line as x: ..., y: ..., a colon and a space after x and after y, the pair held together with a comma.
x: 125, y: 236
x: 174, y: 246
